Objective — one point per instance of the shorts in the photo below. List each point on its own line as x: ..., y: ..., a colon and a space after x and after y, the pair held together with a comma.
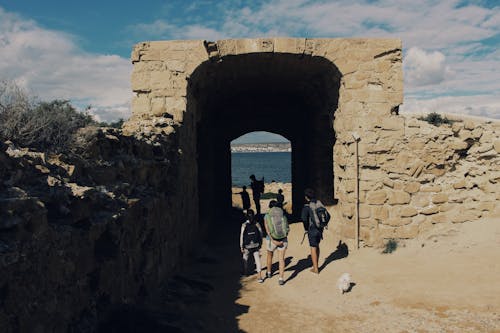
x: 315, y: 236
x: 271, y: 246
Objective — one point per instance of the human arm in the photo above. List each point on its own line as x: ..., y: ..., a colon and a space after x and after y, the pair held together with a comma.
x: 241, y: 235
x: 305, y: 217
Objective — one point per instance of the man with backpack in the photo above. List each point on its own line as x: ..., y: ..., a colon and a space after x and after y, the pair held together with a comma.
x: 257, y: 190
x: 250, y: 243
x: 315, y: 218
x: 276, y: 225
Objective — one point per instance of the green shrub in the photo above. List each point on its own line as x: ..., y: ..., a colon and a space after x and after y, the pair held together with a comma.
x: 268, y: 195
x: 436, y: 119
x: 390, y: 246
x: 114, y: 124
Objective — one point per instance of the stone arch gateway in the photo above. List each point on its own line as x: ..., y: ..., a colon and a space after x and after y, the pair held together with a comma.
x: 315, y: 92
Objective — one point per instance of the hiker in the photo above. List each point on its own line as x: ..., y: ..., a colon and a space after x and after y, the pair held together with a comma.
x: 257, y: 189
x: 312, y: 225
x: 245, y: 198
x: 276, y: 225
x: 251, y: 242
x: 280, y: 198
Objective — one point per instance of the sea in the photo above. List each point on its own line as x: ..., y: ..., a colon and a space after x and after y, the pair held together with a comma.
x: 275, y: 166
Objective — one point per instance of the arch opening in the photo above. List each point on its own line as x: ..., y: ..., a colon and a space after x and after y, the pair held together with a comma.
x: 293, y: 95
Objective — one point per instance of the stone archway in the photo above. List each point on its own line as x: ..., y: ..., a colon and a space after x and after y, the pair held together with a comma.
x: 293, y: 95
x: 316, y: 92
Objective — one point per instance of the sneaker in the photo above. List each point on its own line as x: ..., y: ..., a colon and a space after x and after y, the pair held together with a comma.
x: 268, y: 275
x: 281, y: 282
x: 260, y: 280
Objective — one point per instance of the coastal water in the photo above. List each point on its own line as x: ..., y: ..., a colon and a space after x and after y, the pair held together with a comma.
x: 272, y: 166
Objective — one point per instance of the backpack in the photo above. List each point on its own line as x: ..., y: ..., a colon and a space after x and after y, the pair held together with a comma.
x: 252, y: 239
x: 320, y: 215
x: 277, y: 223
x: 259, y: 185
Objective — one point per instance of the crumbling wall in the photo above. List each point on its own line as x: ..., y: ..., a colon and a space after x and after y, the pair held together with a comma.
x: 82, y: 233
x: 413, y: 175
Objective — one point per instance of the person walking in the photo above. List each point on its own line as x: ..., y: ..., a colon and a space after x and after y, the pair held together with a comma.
x: 245, y: 199
x: 276, y: 225
x: 311, y: 226
x: 250, y: 243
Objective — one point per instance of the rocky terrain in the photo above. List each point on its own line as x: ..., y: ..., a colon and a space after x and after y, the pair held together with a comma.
x: 260, y: 147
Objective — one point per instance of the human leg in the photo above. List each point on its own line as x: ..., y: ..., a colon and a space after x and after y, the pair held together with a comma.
x: 314, y: 259
x: 256, y: 256
x: 269, y: 263
x: 245, y: 255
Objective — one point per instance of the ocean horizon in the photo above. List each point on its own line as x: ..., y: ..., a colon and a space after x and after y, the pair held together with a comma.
x: 272, y: 166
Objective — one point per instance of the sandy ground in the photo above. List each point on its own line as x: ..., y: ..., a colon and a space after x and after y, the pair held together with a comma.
x: 448, y: 282
x: 445, y: 281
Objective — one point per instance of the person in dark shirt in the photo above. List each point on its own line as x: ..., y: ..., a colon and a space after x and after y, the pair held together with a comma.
x: 314, y: 234
x: 280, y: 198
x: 256, y: 192
x: 245, y: 198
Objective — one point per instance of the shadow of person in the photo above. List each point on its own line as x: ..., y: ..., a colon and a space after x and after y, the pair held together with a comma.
x: 301, y: 265
x: 342, y: 251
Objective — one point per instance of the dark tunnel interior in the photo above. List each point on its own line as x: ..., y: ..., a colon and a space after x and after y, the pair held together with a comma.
x: 288, y: 94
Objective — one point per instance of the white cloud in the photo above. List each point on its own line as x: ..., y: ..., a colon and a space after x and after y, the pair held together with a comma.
x: 51, y: 65
x: 424, y: 68
x: 479, y: 105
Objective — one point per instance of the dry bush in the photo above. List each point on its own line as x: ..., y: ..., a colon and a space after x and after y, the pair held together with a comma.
x: 47, y: 126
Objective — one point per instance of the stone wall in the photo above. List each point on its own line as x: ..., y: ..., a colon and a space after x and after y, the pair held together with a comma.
x: 413, y: 175
x: 199, y: 91
x: 83, y: 233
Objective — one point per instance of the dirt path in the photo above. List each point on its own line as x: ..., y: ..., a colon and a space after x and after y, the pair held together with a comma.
x: 444, y: 283
x: 448, y: 282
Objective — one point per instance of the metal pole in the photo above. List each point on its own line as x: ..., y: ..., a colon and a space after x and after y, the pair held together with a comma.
x: 356, y: 187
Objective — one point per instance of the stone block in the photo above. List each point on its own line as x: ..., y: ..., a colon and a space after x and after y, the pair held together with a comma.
x: 430, y: 188
x: 430, y: 210
x: 439, y: 198
x: 398, y: 198
x: 440, y: 218
x: 376, y: 197
x: 396, y: 221
x: 407, y: 231
x: 369, y: 223
x: 380, y: 212
x: 459, y: 185
x: 348, y: 229
x: 412, y: 187
x: 465, y: 216
x: 496, y: 146
x: 408, y: 211
x: 469, y: 125
x: 364, y: 211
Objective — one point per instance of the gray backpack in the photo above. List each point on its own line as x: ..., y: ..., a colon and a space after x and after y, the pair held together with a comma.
x: 277, y: 223
x: 320, y: 216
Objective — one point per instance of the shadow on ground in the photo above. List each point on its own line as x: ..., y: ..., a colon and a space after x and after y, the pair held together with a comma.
x: 201, y: 297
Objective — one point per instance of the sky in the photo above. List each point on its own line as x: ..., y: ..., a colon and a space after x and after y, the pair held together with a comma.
x: 80, y: 50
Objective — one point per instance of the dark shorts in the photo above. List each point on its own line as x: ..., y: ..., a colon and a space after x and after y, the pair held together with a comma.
x: 314, y: 236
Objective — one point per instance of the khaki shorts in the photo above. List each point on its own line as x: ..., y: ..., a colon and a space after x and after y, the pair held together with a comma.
x: 271, y: 246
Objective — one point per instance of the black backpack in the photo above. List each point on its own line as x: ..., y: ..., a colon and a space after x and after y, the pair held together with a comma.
x: 252, y: 239
x: 259, y: 184
x: 320, y: 215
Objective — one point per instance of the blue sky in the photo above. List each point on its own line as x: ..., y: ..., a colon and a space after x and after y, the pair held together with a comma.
x: 80, y: 50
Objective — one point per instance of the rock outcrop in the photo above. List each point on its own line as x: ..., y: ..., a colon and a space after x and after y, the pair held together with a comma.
x: 84, y: 232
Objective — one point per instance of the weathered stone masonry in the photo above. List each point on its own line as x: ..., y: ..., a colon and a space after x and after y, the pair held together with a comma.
x: 315, y: 92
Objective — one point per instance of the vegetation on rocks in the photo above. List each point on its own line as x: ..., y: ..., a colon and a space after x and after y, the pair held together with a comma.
x: 436, y: 119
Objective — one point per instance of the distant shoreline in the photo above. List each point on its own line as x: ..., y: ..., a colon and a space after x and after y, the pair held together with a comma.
x: 261, y: 147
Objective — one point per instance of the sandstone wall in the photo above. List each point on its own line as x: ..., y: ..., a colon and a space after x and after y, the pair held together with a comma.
x: 81, y: 234
x: 413, y: 175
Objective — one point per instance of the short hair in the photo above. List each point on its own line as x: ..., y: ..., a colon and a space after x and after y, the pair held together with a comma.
x: 252, y: 177
x: 273, y: 203
x: 250, y: 215
x: 244, y: 187
x: 280, y: 191
x: 309, y: 192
